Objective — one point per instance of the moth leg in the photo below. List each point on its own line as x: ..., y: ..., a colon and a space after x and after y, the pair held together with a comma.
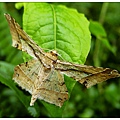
x: 34, y: 97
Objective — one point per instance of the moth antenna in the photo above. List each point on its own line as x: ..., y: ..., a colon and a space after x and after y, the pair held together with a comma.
x: 61, y: 57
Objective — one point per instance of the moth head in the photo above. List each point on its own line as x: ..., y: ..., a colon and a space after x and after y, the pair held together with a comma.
x: 54, y: 53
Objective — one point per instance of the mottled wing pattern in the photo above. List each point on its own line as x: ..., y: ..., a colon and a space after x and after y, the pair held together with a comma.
x: 87, y: 75
x: 21, y: 40
x: 93, y: 79
x: 52, y: 88
x: 25, y: 74
x: 45, y: 84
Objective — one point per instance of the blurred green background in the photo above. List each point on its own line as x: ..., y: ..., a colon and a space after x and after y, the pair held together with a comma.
x: 102, y: 100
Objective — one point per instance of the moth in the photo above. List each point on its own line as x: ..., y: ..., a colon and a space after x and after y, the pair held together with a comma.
x: 43, y: 76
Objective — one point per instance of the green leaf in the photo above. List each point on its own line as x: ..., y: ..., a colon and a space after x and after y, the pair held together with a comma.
x: 4, y: 34
x: 18, y: 5
x: 97, y: 29
x: 108, y: 46
x: 58, y: 28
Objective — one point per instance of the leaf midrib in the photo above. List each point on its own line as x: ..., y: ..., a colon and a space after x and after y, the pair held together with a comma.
x: 54, y: 26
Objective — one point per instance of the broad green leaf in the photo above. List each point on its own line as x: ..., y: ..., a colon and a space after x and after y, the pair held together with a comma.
x: 97, y: 29
x: 58, y: 28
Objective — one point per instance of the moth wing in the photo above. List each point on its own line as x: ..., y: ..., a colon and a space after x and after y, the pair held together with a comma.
x: 26, y: 73
x: 87, y: 75
x: 20, y: 39
x: 52, y: 89
x: 93, y: 79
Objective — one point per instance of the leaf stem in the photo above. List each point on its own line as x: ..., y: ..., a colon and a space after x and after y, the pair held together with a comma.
x: 98, y: 50
x: 103, y: 12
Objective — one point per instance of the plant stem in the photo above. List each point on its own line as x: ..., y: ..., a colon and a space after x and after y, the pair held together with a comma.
x: 98, y: 50
x: 103, y: 12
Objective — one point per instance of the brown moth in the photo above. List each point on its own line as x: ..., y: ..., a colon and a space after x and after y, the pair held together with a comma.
x: 43, y: 76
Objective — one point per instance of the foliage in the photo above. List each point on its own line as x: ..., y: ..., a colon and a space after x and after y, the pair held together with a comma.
x: 99, y: 101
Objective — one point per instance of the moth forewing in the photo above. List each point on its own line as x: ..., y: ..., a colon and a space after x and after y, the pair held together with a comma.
x: 20, y: 39
x: 22, y: 79
x: 87, y: 75
x: 25, y: 74
x: 99, y: 77
x: 15, y: 36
